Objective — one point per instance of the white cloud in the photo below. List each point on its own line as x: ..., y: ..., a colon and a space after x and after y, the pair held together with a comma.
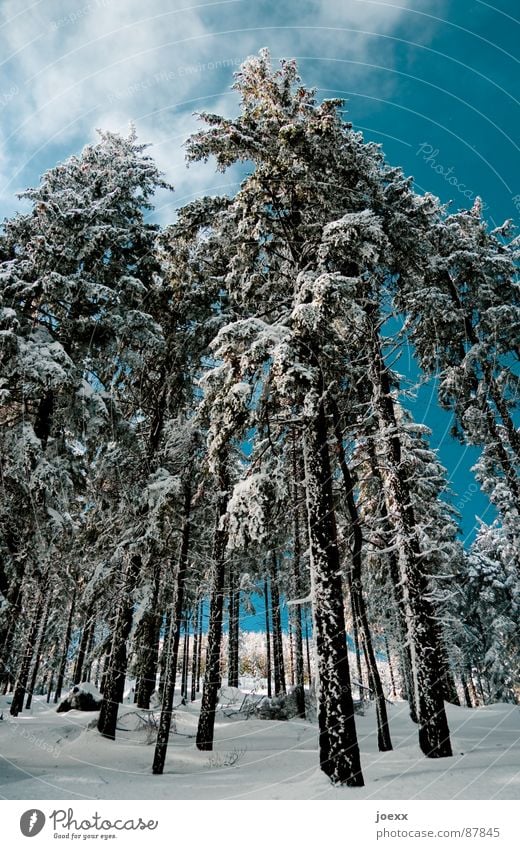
x: 80, y: 65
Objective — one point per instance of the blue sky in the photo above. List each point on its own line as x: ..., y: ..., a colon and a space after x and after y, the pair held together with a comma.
x: 435, y: 81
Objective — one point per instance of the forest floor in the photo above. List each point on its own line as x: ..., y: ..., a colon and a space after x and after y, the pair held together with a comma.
x: 49, y: 755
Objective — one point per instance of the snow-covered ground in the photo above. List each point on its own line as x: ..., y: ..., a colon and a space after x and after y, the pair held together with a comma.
x: 46, y: 755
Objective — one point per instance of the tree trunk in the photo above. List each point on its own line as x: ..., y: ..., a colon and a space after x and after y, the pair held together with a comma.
x: 193, y: 688
x: 396, y: 585
x: 83, y: 644
x: 296, y: 611
x: 465, y: 689
x: 114, y: 686
x: 390, y: 668
x: 172, y: 648
x: 11, y: 614
x: 339, y: 752
x: 185, y: 662
x: 163, y: 663
x: 308, y: 651
x: 291, y: 654
x: 206, y: 726
x: 199, y: 656
x: 355, y: 629
x: 90, y: 648
x: 148, y: 645
x: 471, y: 685
x: 434, y: 736
x: 20, y: 687
x: 66, y: 645
x: 234, y: 628
x: 383, y: 731
x: 278, y: 662
x: 267, y: 639
x: 38, y: 652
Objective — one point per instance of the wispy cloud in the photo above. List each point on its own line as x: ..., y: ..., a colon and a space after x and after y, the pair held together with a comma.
x: 71, y: 67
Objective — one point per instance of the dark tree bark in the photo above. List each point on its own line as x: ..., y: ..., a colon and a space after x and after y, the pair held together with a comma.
x: 185, y: 662
x: 390, y: 668
x: 465, y: 690
x: 10, y: 616
x: 308, y: 651
x: 114, y: 686
x: 172, y: 649
x: 296, y: 611
x: 148, y: 645
x: 163, y: 663
x: 90, y: 649
x: 291, y: 654
x: 278, y: 661
x: 267, y: 639
x: 193, y: 688
x: 50, y: 685
x: 83, y: 643
x: 199, y: 655
x: 212, y: 680
x: 66, y: 646
x: 20, y: 687
x: 448, y: 681
x: 234, y: 628
x: 38, y: 652
x: 355, y: 630
x: 338, y: 747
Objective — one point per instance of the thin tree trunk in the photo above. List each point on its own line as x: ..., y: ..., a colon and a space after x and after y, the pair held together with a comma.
x: 50, y: 686
x: 296, y: 612
x: 471, y: 685
x: 90, y: 648
x: 172, y: 648
x: 66, y: 645
x: 11, y: 615
x: 383, y: 731
x: 20, y: 687
x: 148, y: 645
x: 185, y: 662
x: 278, y: 661
x: 465, y: 689
x: 193, y: 688
x: 212, y: 679
x: 390, y: 667
x: 83, y: 644
x: 234, y: 626
x: 199, y: 656
x: 114, y: 687
x: 307, y: 650
x: 291, y: 653
x: 38, y: 652
x: 163, y: 663
x: 355, y: 629
x: 339, y: 752
x: 267, y: 638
